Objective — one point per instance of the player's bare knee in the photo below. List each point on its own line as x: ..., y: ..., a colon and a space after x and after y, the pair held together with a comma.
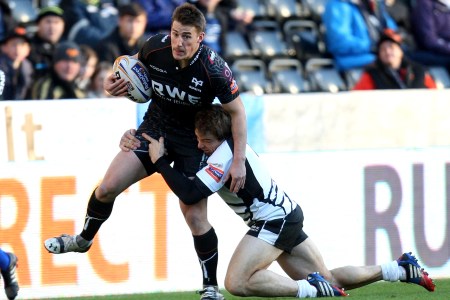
x: 196, y: 220
x: 105, y: 193
x: 198, y: 225
x: 234, y: 286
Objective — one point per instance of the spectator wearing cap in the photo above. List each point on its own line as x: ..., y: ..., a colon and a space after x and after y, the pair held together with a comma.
x: 50, y: 28
x: 17, y: 68
x: 128, y: 37
x: 60, y: 83
x: 352, y: 30
x: 392, y: 70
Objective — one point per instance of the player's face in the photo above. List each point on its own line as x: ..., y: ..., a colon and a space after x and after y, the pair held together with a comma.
x: 185, y: 41
x: 207, y: 142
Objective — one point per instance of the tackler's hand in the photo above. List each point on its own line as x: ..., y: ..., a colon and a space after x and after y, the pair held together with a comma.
x: 156, y: 148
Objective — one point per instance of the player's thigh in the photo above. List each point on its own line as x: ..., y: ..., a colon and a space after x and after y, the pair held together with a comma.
x: 124, y: 170
x: 252, y: 254
x: 304, y: 259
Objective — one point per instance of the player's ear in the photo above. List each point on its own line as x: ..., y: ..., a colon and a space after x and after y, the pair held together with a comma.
x: 201, y: 37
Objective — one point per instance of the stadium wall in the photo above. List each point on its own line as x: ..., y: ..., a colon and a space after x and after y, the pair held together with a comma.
x: 371, y: 171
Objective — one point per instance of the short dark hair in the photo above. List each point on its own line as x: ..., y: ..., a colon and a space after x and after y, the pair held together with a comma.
x: 214, y: 119
x: 132, y: 9
x: 188, y: 14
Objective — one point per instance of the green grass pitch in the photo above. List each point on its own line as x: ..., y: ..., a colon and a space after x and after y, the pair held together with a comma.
x: 377, y: 291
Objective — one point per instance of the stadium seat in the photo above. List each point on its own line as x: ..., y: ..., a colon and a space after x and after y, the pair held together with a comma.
x: 236, y: 46
x: 315, y: 9
x: 352, y: 76
x: 287, y: 76
x: 256, y: 7
x: 44, y: 3
x: 266, y: 40
x: 303, y: 39
x: 23, y: 11
x: 251, y: 75
x: 323, y: 75
x: 283, y: 10
x: 440, y: 76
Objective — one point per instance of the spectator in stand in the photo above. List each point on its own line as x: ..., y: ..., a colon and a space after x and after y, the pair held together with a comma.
x: 216, y: 23
x: 89, y: 63
x: 60, y: 83
x: 14, y: 63
x: 128, y: 37
x: 50, y: 28
x: 88, y: 21
x: 159, y: 14
x: 353, y: 28
x: 392, y: 70
x: 400, y: 11
x: 431, y: 28
x: 238, y: 15
x: 96, y: 89
x: 7, y: 21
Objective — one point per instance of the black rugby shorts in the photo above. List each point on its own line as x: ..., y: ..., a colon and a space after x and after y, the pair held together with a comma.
x: 284, y: 233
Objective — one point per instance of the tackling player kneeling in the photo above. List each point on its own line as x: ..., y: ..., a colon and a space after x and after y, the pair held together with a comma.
x: 275, y: 221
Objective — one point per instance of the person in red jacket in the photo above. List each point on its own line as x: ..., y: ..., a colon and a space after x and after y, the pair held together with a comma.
x: 392, y: 70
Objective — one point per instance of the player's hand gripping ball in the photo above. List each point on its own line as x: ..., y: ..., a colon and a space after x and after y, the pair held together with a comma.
x: 137, y: 77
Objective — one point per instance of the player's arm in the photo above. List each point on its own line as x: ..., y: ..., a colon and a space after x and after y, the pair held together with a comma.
x: 239, y: 130
x: 189, y: 191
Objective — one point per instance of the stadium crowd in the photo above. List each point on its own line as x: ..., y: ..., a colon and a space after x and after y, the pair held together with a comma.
x: 60, y: 49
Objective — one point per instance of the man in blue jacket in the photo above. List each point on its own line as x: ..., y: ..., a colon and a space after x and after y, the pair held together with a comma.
x: 353, y: 28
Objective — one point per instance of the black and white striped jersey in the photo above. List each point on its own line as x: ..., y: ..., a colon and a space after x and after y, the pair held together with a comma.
x: 260, y: 199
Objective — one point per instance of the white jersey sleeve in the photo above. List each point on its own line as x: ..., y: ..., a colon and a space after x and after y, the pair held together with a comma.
x: 218, y: 165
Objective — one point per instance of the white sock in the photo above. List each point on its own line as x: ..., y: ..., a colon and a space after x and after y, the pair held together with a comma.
x: 391, y: 271
x: 305, y: 289
x: 402, y: 271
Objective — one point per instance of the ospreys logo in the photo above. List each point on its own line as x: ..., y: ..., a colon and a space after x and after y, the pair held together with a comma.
x: 197, y: 83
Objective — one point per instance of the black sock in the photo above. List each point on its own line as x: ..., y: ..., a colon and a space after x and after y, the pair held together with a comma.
x: 206, y: 248
x: 97, y: 212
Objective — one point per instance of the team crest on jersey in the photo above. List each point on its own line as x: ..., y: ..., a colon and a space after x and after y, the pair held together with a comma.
x: 214, y: 172
x: 197, y: 82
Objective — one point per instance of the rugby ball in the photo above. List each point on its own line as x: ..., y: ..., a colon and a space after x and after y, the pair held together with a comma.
x: 137, y: 77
